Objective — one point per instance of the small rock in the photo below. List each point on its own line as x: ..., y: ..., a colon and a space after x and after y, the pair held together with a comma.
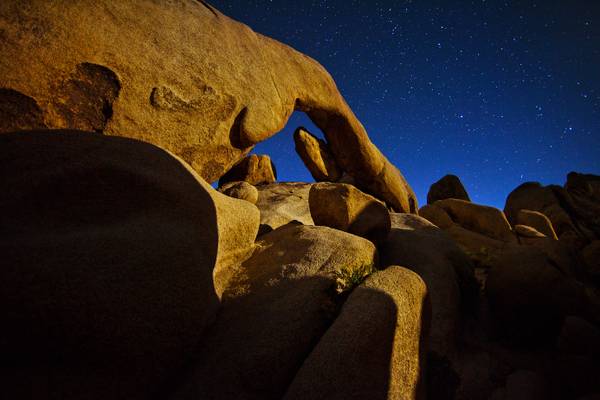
x: 240, y: 190
x: 536, y: 220
x: 528, y: 232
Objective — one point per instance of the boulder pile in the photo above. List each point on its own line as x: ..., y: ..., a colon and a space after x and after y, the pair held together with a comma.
x: 126, y: 275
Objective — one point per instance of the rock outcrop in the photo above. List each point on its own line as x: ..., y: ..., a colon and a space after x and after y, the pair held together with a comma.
x: 554, y: 202
x: 317, y: 157
x: 281, y: 301
x: 448, y: 187
x: 376, y: 347
x: 344, y: 207
x: 180, y: 75
x: 282, y: 203
x: 109, y: 246
x: 254, y: 169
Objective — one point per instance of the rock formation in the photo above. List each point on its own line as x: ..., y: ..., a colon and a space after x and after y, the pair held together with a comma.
x: 254, y: 169
x: 277, y: 306
x: 342, y: 206
x: 375, y: 348
x: 448, y: 187
x: 126, y: 276
x: 108, y: 254
x: 317, y: 157
x: 169, y: 74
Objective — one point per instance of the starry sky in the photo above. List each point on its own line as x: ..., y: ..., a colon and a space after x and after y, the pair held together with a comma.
x: 496, y: 92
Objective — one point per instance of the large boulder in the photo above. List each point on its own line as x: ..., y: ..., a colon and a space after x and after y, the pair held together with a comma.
x: 254, y: 169
x: 536, y: 220
x: 282, y: 203
x: 530, y: 292
x: 436, y: 215
x: 488, y: 221
x: 317, y: 157
x: 448, y: 274
x: 448, y: 187
x: 180, y: 75
x: 281, y: 301
x: 376, y: 347
x: 109, y: 246
x: 344, y: 207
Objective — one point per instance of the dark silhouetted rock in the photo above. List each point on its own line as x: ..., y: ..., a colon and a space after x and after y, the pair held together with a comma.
x: 109, y: 246
x: 344, y: 207
x: 375, y: 348
x: 317, y: 157
x: 530, y: 294
x: 449, y: 187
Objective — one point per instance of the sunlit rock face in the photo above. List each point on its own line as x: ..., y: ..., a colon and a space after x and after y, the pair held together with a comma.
x: 179, y: 75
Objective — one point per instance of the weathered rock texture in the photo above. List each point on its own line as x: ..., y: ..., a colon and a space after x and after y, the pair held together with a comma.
x: 376, y: 347
x: 108, y: 250
x: 344, y: 207
x: 276, y: 308
x: 317, y: 157
x: 281, y: 203
x: 254, y: 169
x: 449, y: 187
x: 180, y: 75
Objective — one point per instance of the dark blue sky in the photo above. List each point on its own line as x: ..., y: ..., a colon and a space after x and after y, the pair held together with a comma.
x: 496, y: 92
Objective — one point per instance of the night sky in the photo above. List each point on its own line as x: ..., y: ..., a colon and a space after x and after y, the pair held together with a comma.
x: 496, y: 92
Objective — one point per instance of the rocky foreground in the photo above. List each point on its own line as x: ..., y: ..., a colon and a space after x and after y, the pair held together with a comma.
x: 125, y: 275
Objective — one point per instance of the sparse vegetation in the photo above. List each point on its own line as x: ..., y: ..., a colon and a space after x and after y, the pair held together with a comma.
x: 351, y: 276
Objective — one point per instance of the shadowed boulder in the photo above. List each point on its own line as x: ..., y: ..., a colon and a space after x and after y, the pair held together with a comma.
x: 275, y: 309
x: 184, y: 77
x: 108, y: 252
x: 376, y: 347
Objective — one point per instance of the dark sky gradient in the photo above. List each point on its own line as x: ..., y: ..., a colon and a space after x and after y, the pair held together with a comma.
x: 496, y: 92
